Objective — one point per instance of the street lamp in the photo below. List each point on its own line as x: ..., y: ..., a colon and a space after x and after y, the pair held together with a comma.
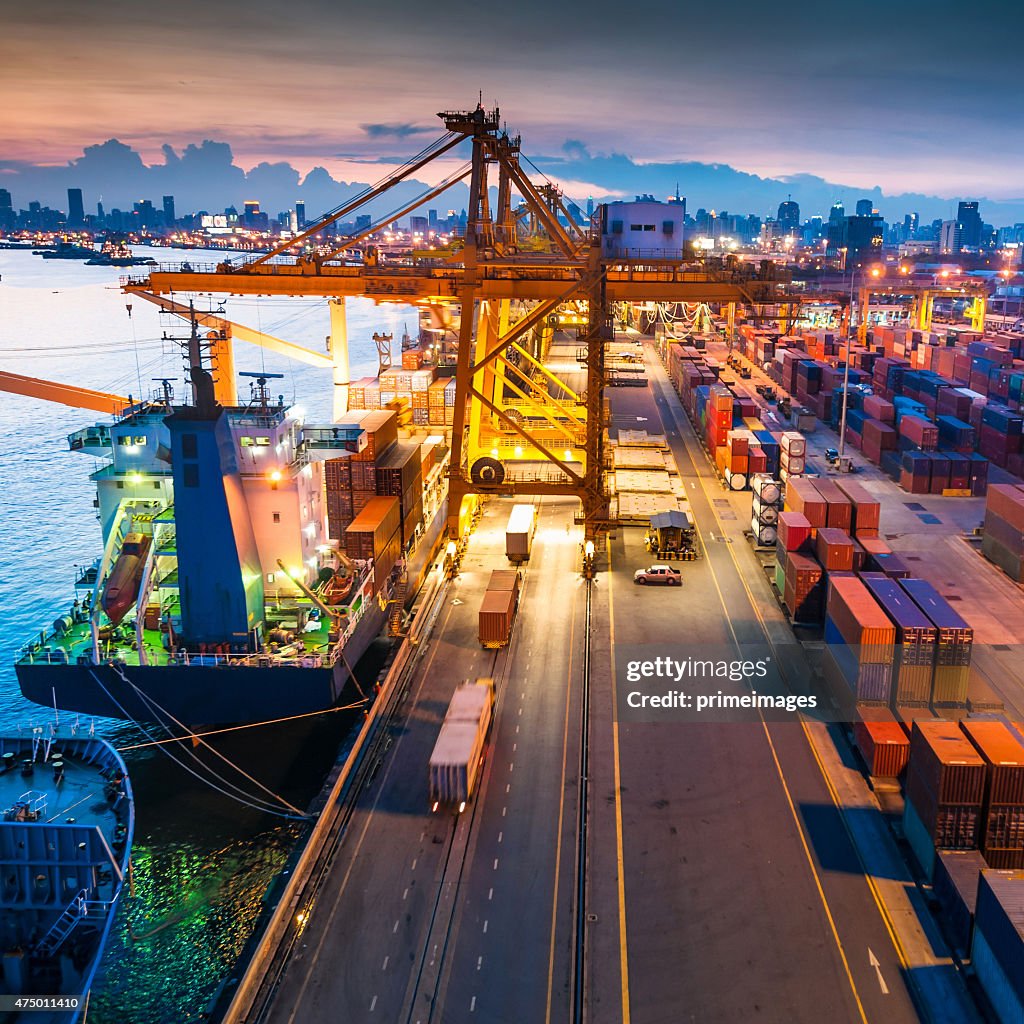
x: 846, y: 370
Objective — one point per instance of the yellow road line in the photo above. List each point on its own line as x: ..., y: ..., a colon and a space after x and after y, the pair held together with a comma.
x: 833, y: 794
x: 814, y: 872
x: 561, y: 807
x: 764, y: 724
x: 623, y: 951
x: 890, y: 927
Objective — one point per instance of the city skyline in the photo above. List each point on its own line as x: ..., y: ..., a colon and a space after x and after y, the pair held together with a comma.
x: 853, y: 102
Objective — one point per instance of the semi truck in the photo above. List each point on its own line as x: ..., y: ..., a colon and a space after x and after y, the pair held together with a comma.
x: 522, y: 523
x: 458, y: 754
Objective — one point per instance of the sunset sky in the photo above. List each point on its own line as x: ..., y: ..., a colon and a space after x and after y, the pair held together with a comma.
x: 907, y: 95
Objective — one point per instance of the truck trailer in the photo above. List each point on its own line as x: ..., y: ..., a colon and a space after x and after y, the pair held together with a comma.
x: 522, y: 523
x: 459, y: 751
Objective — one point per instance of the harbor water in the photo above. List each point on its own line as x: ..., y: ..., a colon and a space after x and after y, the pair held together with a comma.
x: 202, y: 861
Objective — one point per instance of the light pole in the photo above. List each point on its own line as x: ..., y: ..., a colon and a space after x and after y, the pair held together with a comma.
x: 846, y: 370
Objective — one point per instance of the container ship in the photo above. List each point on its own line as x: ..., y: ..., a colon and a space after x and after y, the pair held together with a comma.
x: 249, y: 557
x: 65, y: 839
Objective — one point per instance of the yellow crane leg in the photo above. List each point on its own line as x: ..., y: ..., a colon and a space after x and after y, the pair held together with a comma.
x: 337, y: 346
x: 222, y: 356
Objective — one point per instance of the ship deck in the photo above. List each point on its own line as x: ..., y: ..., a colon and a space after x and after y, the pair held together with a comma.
x: 76, y: 643
x: 59, y: 781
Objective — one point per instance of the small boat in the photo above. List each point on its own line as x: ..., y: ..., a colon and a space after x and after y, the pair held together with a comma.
x: 122, y: 587
x: 68, y: 819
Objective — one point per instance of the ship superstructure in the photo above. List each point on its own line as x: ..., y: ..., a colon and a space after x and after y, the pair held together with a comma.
x: 228, y: 590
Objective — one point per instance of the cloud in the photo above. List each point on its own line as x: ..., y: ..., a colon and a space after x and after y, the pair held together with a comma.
x: 395, y: 131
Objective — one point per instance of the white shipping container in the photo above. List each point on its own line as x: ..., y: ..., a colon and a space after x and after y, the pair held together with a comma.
x: 793, y: 442
x: 522, y: 522
x: 455, y: 763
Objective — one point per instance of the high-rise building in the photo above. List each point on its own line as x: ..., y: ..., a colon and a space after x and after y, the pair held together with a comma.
x: 950, y: 237
x: 856, y: 240
x: 100, y: 214
x: 911, y: 222
x: 300, y: 214
x: 837, y: 214
x: 6, y: 210
x: 970, y: 225
x: 169, y: 218
x: 145, y: 213
x: 788, y: 219
x: 865, y: 208
x: 432, y: 219
x: 76, y: 211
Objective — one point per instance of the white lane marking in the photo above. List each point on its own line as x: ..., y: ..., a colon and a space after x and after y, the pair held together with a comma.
x: 384, y: 966
x: 508, y: 786
x: 485, y: 927
x: 373, y: 1004
x: 514, y: 746
x: 479, y: 962
x: 517, y: 730
x: 405, y: 895
x: 500, y: 834
x: 511, y: 765
x: 490, y: 894
x: 495, y: 863
x: 414, y: 863
x: 503, y: 810
x: 395, y: 929
x: 520, y: 711
x: 472, y: 1004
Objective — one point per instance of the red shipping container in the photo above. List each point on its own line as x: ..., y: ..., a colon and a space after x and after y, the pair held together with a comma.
x: 882, y: 742
x: 877, y: 408
x: 866, y: 509
x: 1007, y: 502
x: 949, y: 768
x: 834, y: 549
x: 860, y: 620
x: 920, y: 432
x: 1003, y: 753
x: 839, y: 510
x: 794, y: 531
x: 802, y: 496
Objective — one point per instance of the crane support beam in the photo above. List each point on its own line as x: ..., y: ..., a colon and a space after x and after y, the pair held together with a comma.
x: 63, y: 394
x: 547, y: 218
x: 533, y: 319
x: 439, y: 284
x: 240, y: 331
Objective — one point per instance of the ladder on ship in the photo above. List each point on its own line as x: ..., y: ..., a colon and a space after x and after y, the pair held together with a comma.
x: 78, y: 908
x: 396, y: 611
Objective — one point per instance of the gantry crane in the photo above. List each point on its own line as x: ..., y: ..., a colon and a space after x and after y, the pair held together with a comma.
x: 507, y: 400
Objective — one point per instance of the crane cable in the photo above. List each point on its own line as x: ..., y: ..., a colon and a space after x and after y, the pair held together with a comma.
x: 362, y: 195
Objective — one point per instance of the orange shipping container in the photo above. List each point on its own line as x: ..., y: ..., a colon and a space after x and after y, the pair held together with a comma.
x: 1004, y: 756
x: 497, y: 610
x: 882, y: 742
x: 860, y: 619
x: 802, y: 496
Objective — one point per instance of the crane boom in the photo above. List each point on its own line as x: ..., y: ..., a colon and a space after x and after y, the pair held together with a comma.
x: 63, y: 394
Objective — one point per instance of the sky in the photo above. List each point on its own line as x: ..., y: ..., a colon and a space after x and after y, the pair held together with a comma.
x: 905, y: 96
